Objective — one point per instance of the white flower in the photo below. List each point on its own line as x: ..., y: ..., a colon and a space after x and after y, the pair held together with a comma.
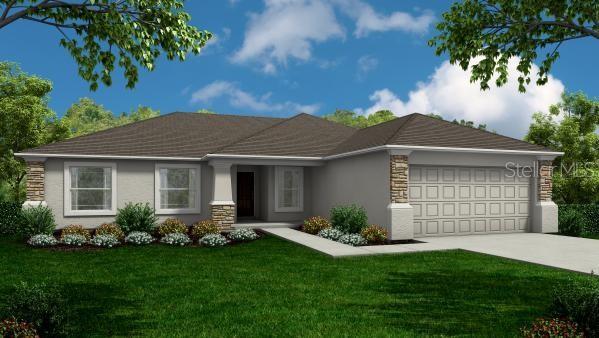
x: 74, y: 239
x: 242, y: 235
x: 139, y: 238
x: 176, y: 239
x: 213, y: 240
x: 352, y: 239
x: 330, y: 233
x: 104, y: 240
x: 42, y: 240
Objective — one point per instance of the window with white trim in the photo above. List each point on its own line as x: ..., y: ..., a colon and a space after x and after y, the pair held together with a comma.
x: 90, y: 188
x: 177, y: 188
x: 289, y: 189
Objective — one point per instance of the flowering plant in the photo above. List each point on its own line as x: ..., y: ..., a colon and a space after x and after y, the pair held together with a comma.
x: 330, y: 233
x: 243, y: 235
x: 176, y: 239
x: 76, y: 240
x: 352, y: 239
x: 213, y: 240
x: 314, y: 225
x: 42, y: 240
x: 139, y: 238
x: 105, y: 241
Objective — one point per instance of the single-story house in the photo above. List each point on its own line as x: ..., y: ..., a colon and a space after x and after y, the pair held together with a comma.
x: 415, y: 175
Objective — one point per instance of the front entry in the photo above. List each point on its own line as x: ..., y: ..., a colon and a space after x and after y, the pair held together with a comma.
x: 245, y: 194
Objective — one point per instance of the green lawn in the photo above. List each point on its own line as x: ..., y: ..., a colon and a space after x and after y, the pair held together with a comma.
x: 272, y: 287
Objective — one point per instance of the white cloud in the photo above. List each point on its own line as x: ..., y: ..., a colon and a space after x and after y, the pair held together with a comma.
x: 245, y: 100
x: 287, y: 29
x: 366, y: 64
x: 217, y: 41
x: 369, y: 20
x: 448, y: 92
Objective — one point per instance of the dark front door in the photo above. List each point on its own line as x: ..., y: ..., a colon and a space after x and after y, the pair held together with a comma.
x: 245, y: 194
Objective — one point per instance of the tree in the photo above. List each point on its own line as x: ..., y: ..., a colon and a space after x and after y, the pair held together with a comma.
x: 570, y: 127
x: 86, y: 117
x: 493, y: 31
x: 351, y: 119
x: 205, y: 111
x: 96, y: 32
x: 25, y: 122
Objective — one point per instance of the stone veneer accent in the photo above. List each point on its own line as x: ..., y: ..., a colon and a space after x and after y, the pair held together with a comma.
x: 544, y: 181
x: 223, y: 215
x: 399, y: 178
x: 35, y: 181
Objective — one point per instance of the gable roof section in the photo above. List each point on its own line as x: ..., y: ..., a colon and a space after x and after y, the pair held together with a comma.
x: 303, y: 135
x: 425, y: 131
x: 190, y: 135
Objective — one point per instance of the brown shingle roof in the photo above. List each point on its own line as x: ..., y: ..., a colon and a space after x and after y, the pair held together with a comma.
x: 172, y: 135
x: 301, y: 135
x: 195, y: 135
x: 421, y: 130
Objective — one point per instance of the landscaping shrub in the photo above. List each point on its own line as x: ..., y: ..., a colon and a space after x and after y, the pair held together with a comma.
x: 13, y: 328
x: 330, y: 233
x: 110, y: 229
x: 203, y: 228
x: 374, y: 234
x: 578, y: 219
x: 37, y: 220
x: 38, y: 304
x: 74, y: 240
x: 171, y: 226
x: 591, y: 215
x: 349, y: 218
x: 352, y: 239
x: 176, y: 239
x: 139, y: 238
x: 554, y: 327
x: 42, y: 240
x: 313, y: 225
x: 10, y: 218
x: 243, y: 235
x: 136, y: 217
x: 213, y: 240
x: 75, y: 229
x: 107, y: 241
x: 580, y: 302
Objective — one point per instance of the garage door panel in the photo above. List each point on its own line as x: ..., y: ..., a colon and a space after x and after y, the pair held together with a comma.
x: 454, y: 200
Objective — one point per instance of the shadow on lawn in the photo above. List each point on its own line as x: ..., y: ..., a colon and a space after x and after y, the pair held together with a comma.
x: 101, y: 310
x: 439, y: 303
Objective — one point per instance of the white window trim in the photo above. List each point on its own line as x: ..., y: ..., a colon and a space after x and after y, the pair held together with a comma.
x: 299, y: 208
x: 195, y: 210
x: 67, y: 189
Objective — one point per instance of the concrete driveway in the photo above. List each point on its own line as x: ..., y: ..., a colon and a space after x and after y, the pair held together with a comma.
x: 571, y: 253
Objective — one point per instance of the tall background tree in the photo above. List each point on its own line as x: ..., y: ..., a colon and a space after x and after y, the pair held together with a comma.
x: 487, y: 33
x: 351, y: 119
x: 100, y: 33
x: 25, y: 122
x: 570, y: 126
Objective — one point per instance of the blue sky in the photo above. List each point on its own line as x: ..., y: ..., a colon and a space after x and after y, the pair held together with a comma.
x: 278, y: 57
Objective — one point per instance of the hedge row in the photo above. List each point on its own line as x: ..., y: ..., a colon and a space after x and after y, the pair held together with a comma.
x: 10, y: 218
x: 575, y: 219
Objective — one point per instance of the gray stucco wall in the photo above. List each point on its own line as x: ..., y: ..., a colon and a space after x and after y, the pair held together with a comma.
x: 361, y: 180
x: 135, y: 183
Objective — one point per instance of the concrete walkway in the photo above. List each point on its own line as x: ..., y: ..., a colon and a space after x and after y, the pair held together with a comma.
x: 570, y: 253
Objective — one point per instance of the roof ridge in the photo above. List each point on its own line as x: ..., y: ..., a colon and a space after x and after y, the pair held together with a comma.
x: 480, y: 130
x: 256, y: 133
x: 228, y: 115
x: 329, y: 121
x: 408, y: 119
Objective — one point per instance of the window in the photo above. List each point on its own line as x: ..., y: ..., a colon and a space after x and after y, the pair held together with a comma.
x: 90, y: 188
x: 289, y: 189
x: 177, y: 188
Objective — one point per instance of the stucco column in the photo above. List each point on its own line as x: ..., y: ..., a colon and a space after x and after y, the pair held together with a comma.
x: 401, y: 214
x: 35, y: 177
x: 222, y: 207
x: 545, y: 210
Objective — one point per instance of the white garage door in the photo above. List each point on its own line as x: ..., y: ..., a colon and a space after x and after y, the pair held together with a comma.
x: 461, y: 201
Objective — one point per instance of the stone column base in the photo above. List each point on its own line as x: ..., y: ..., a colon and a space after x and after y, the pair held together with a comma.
x: 30, y: 204
x: 401, y: 221
x: 544, y: 218
x: 223, y: 215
